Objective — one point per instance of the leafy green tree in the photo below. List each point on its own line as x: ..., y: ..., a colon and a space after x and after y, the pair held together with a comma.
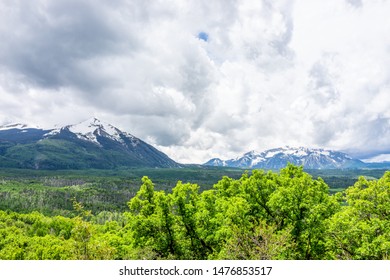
x: 81, y: 234
x: 185, y: 204
x: 287, y: 206
x: 49, y: 247
x: 304, y: 204
x: 361, y: 230
x: 257, y: 190
x: 13, y: 243
x: 143, y: 202
x: 263, y: 242
x: 208, y: 221
x: 61, y: 226
x: 151, y: 222
x: 82, y: 231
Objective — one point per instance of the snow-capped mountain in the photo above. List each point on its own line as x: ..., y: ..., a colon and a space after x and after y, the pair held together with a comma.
x: 89, y: 144
x: 20, y: 133
x: 20, y: 126
x: 279, y: 157
x: 216, y: 162
x: 93, y: 130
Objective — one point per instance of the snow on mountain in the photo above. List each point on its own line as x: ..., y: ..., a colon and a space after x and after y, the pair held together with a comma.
x: 21, y: 133
x: 88, y: 129
x: 279, y: 157
x: 216, y: 162
x: 19, y: 126
x: 95, y: 136
x: 91, y: 129
x: 89, y: 144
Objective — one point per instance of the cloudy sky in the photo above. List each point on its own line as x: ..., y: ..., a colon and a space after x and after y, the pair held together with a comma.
x: 201, y: 79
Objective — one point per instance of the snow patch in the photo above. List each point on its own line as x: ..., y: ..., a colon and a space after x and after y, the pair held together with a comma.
x: 52, y: 132
x: 257, y: 160
x: 316, y: 158
x: 270, y: 154
x: 89, y: 130
x: 20, y: 126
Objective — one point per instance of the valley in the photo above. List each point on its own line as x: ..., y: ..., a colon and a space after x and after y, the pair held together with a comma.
x: 51, y: 191
x: 91, y: 191
x: 123, y: 214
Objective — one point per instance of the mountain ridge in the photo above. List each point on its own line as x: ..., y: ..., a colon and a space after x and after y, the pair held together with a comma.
x: 97, y: 144
x: 276, y: 158
x: 88, y: 144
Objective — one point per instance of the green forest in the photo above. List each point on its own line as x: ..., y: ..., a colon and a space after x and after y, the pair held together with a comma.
x: 258, y: 215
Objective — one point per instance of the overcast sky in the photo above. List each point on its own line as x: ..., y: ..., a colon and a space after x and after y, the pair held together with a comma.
x: 203, y: 79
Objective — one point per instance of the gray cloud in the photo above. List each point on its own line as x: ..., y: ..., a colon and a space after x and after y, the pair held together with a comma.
x: 355, y: 3
x: 47, y: 42
x: 270, y: 73
x: 371, y: 138
x: 323, y: 85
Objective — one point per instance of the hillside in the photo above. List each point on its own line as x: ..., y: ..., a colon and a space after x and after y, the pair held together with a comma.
x: 89, y: 144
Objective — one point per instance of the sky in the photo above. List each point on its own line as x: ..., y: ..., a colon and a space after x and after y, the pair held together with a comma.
x: 202, y: 79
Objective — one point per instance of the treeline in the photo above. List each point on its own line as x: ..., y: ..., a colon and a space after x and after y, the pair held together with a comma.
x: 265, y: 215
x: 22, y: 197
x: 50, y: 192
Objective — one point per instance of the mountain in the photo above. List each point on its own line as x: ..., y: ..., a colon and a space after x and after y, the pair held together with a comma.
x: 279, y: 157
x: 89, y: 144
x: 21, y: 133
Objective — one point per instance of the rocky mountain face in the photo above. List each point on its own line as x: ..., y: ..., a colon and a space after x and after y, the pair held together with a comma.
x: 279, y: 157
x: 89, y: 144
x: 97, y: 144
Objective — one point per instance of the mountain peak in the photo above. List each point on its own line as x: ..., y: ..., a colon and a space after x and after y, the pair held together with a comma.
x: 92, y: 128
x: 278, y: 158
x: 94, y: 121
x: 88, y: 144
x: 88, y: 126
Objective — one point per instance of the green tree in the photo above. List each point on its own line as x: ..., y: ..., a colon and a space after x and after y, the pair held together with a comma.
x: 304, y: 204
x: 151, y: 222
x: 257, y: 190
x: 82, y: 231
x: 361, y: 230
x: 81, y: 234
x: 263, y: 242
x: 185, y: 205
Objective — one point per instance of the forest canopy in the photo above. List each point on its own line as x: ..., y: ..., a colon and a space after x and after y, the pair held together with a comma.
x: 264, y: 215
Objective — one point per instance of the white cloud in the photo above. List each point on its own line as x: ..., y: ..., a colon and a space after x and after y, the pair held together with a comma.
x: 379, y: 158
x: 271, y: 73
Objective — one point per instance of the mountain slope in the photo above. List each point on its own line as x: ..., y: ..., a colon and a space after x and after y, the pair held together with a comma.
x: 89, y: 144
x: 279, y: 157
x: 21, y: 133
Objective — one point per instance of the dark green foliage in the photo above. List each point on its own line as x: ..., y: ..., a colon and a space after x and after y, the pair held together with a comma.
x: 259, y: 215
x: 63, y: 149
x: 61, y: 154
x: 50, y: 192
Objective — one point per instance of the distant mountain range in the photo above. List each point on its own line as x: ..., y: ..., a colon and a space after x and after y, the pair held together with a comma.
x: 309, y: 158
x: 89, y: 144
x: 97, y: 144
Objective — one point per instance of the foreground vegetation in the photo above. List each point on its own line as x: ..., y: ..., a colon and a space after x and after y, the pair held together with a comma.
x: 50, y: 192
x: 261, y: 215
